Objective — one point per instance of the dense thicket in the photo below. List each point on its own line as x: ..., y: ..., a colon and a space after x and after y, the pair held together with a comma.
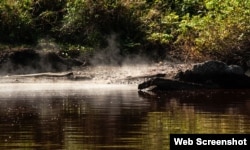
x: 189, y: 29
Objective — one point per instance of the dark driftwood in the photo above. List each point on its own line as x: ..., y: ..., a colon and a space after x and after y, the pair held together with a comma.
x: 168, y: 84
x: 47, y: 74
x: 67, y: 75
x: 223, y: 81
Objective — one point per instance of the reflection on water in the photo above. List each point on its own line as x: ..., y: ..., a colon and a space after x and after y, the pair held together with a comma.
x: 114, y: 117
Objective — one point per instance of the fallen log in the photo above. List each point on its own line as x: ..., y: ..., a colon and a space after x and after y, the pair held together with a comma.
x: 67, y: 75
x: 208, y: 75
x: 46, y: 74
x: 218, y: 82
x: 169, y: 84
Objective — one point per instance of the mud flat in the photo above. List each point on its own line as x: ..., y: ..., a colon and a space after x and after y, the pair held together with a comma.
x: 131, y: 74
x: 126, y: 74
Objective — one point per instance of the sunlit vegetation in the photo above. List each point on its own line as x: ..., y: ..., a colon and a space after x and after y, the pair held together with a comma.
x: 187, y: 29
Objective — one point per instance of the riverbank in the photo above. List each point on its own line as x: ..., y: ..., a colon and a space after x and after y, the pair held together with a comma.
x: 25, y: 62
x: 28, y: 65
x: 126, y: 74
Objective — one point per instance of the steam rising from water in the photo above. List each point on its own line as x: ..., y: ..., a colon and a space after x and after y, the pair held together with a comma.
x: 111, y: 55
x: 108, y: 67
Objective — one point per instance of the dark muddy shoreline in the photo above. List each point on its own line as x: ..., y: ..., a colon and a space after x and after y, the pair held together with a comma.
x: 28, y: 65
x: 28, y: 60
x: 17, y: 65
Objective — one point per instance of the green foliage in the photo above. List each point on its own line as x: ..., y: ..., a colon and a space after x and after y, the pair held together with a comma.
x: 15, y: 21
x: 192, y: 28
x: 74, y: 51
x: 90, y: 22
x: 24, y: 21
x: 222, y: 31
x: 47, y: 15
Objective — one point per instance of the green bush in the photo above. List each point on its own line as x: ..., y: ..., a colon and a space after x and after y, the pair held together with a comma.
x: 15, y: 22
x: 91, y: 22
x: 47, y: 14
x: 189, y: 29
x: 25, y: 21
x: 221, y: 32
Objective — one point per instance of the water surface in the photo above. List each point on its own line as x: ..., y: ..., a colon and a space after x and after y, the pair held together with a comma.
x: 99, y: 116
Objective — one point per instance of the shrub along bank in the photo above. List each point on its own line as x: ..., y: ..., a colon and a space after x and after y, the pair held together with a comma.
x: 186, y: 29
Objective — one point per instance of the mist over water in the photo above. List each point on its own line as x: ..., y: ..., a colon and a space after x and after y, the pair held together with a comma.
x: 105, y: 112
x: 109, y: 55
x: 105, y: 116
x: 107, y: 67
x: 112, y: 55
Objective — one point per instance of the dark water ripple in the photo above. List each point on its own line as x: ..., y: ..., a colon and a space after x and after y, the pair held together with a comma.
x: 114, y: 117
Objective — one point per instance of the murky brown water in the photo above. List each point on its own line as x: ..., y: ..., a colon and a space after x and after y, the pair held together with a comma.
x: 82, y: 116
